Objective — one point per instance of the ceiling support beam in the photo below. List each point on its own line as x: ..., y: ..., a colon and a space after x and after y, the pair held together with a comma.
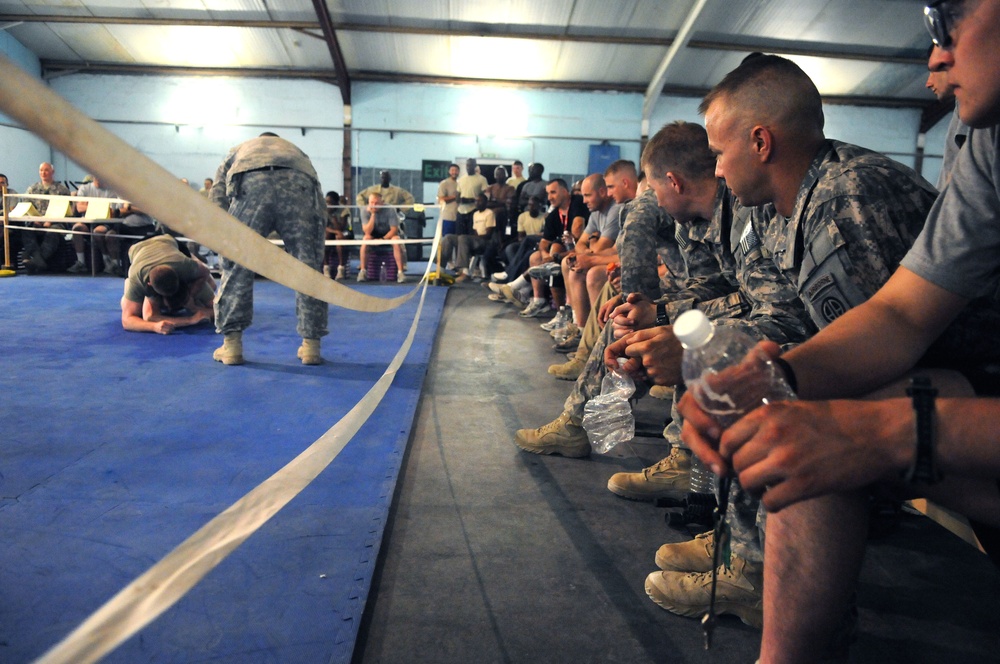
x: 339, y: 64
x: 655, y: 89
x: 343, y: 79
x: 459, y: 29
x: 58, y: 67
x: 52, y: 68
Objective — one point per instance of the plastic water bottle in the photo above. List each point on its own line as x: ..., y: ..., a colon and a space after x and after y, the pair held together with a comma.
x: 750, y: 381
x: 568, y: 241
x: 607, y: 418
x: 383, y: 274
x: 720, y: 372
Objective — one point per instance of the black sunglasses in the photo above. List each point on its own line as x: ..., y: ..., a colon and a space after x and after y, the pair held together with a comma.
x: 939, y: 18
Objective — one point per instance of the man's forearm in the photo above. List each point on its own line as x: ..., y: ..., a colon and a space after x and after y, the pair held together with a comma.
x: 875, y: 342
x: 137, y: 324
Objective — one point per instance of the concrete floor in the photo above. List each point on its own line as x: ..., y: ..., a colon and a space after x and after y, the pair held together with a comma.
x: 496, y: 555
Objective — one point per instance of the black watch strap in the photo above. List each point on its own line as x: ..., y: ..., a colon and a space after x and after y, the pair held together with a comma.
x: 923, y: 469
x: 661, y: 314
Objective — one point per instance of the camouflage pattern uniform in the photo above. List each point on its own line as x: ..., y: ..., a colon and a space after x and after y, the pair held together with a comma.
x: 270, y: 185
x: 647, y: 231
x: 41, y: 246
x: 761, y: 302
x: 855, y: 217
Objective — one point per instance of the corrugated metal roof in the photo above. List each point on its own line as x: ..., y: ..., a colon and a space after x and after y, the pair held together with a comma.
x: 865, y: 50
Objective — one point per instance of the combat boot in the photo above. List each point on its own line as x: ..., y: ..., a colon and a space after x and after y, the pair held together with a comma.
x: 564, y: 436
x: 691, y: 556
x: 231, y: 351
x: 570, y: 370
x: 668, y: 478
x: 309, y: 352
x: 739, y: 591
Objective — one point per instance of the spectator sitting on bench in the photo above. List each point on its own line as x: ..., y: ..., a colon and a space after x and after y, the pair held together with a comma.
x: 483, y: 226
x: 106, y: 246
x: 381, y: 224
x: 336, y: 229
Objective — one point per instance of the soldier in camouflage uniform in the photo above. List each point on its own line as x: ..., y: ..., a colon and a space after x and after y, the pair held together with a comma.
x: 270, y: 185
x: 39, y: 250
x: 820, y: 460
x: 647, y: 226
x: 836, y: 238
x: 762, y: 303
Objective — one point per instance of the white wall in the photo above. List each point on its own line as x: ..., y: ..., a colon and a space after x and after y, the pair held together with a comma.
x: 188, y: 124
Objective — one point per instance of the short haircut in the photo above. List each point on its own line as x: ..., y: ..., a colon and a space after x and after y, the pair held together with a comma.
x: 164, y: 280
x: 623, y: 166
x: 596, y: 181
x: 560, y: 182
x: 770, y: 90
x: 517, y: 162
x: 4, y: 177
x: 537, y: 199
x: 334, y: 195
x: 451, y: 166
x: 270, y: 133
x: 680, y: 147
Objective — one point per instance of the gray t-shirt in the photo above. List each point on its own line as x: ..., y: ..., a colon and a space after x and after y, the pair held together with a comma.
x: 958, y: 133
x: 959, y: 248
x: 606, y: 224
x: 385, y: 219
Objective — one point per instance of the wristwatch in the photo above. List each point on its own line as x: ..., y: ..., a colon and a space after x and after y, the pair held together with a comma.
x: 923, y: 469
x: 661, y: 314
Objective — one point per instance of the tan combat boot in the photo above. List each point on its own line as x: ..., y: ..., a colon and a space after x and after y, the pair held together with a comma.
x: 564, y: 436
x: 669, y: 477
x: 739, y: 591
x: 692, y: 556
x: 570, y: 370
x: 309, y: 352
x: 231, y: 351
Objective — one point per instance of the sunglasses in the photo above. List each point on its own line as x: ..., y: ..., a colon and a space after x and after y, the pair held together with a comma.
x: 940, y: 18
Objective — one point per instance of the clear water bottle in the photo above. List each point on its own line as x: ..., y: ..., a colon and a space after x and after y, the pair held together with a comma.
x: 383, y: 273
x: 607, y: 418
x: 568, y: 241
x: 724, y: 377
x: 722, y: 374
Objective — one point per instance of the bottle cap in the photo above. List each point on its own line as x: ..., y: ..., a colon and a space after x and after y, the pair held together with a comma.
x: 693, y: 329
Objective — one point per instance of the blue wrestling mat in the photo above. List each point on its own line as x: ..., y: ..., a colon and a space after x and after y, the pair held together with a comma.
x: 116, y: 446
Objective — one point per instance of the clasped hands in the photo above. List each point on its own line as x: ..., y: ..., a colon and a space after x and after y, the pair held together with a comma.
x: 786, y: 451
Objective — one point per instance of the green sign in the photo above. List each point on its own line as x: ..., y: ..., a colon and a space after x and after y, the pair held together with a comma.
x: 434, y: 171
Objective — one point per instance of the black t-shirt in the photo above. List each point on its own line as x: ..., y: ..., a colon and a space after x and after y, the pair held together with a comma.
x: 553, y: 229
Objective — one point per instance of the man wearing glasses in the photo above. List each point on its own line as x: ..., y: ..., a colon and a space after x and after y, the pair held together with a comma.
x: 816, y: 461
